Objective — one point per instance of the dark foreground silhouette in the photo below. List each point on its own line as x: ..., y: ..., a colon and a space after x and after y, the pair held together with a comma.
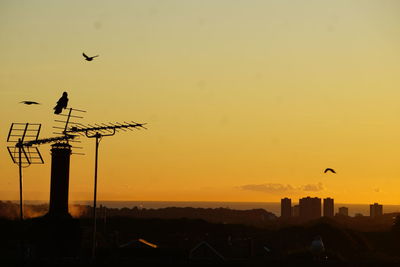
x: 126, y: 241
x: 133, y: 241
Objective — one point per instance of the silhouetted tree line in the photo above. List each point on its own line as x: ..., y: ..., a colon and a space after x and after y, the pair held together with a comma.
x: 254, y: 217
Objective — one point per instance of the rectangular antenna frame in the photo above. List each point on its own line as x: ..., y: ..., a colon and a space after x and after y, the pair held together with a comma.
x: 23, y: 132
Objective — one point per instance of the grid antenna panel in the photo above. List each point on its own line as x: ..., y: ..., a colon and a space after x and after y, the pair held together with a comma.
x: 29, y: 155
x: 23, y: 132
x: 63, y: 123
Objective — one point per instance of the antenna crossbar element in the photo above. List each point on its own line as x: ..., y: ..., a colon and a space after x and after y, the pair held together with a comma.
x: 71, y: 116
x: 71, y: 122
x: 48, y: 140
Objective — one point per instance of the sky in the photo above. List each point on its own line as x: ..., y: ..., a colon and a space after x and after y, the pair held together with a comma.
x: 243, y: 100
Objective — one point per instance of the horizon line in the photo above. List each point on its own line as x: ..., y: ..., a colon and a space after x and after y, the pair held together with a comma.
x: 195, y: 201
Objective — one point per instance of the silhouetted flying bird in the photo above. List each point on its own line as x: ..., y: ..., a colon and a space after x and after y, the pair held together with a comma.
x: 61, y: 103
x: 329, y: 170
x: 89, y: 58
x: 29, y: 103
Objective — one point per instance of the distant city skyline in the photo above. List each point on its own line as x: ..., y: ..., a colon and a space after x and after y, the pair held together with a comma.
x: 309, y: 208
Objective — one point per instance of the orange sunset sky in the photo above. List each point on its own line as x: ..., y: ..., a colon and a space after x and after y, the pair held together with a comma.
x: 244, y: 100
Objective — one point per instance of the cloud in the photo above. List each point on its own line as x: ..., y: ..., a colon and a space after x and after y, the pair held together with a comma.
x: 267, y: 188
x: 281, y: 188
x: 313, y: 187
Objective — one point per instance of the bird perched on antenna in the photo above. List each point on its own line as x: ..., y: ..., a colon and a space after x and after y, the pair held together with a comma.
x: 87, y: 58
x: 61, y: 103
x: 329, y: 170
x: 29, y: 103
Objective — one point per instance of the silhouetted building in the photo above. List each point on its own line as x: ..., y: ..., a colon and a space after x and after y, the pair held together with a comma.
x: 328, y: 207
x: 286, y: 207
x: 310, y: 208
x: 375, y: 210
x: 296, y: 211
x: 204, y: 251
x: 59, y: 185
x: 344, y: 211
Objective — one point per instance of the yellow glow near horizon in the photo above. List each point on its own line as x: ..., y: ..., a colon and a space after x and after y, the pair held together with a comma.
x: 244, y: 100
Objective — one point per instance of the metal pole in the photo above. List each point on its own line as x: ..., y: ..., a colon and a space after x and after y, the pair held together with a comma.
x: 98, y: 137
x: 95, y: 195
x: 21, y: 211
x: 66, y: 123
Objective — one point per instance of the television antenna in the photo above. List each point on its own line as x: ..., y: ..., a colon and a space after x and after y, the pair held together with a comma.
x: 21, y: 155
x: 98, y: 131
x: 25, y: 152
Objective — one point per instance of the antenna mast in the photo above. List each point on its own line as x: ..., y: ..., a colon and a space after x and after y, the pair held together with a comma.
x: 98, y: 131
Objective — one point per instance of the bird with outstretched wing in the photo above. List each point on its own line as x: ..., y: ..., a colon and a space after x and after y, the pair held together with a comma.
x: 29, y: 102
x: 329, y: 170
x: 87, y: 58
